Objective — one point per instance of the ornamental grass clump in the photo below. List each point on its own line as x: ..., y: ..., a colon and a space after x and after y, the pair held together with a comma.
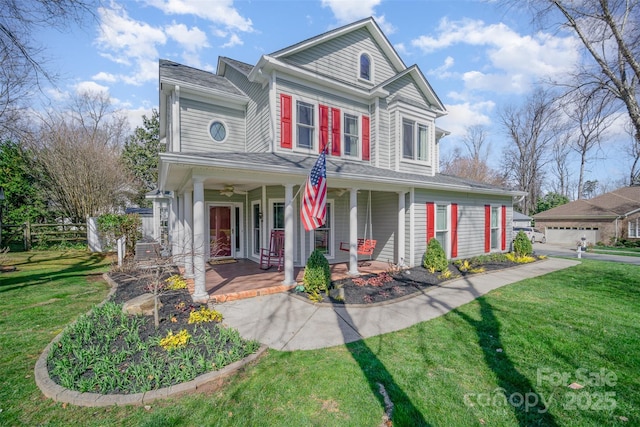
x: 317, y: 275
x: 434, y: 258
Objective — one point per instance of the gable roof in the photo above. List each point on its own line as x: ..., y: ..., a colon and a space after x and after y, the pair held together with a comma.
x: 175, y: 73
x: 368, y: 23
x: 619, y: 203
x: 424, y: 86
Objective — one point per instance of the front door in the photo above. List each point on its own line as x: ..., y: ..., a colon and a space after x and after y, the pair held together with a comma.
x: 221, y: 232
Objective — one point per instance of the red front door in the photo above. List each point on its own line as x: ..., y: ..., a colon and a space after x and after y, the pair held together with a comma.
x: 220, y: 231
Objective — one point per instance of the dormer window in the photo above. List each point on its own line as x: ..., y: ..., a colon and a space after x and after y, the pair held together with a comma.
x: 365, y: 67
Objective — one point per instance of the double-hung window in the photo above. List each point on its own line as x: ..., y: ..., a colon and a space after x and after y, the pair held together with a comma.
x: 442, y: 226
x: 322, y: 235
x: 351, y: 139
x: 305, y: 125
x: 278, y: 216
x: 634, y: 228
x: 495, y: 228
x: 415, y: 140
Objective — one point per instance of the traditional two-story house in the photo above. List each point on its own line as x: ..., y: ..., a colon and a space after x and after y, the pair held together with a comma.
x: 240, y: 144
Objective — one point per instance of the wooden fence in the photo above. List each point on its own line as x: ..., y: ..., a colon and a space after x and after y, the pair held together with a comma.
x: 27, y: 236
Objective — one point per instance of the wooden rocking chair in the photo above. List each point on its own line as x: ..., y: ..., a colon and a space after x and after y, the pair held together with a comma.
x: 275, y: 251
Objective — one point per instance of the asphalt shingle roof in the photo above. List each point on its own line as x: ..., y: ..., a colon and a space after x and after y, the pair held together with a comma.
x: 615, y: 203
x: 174, y: 71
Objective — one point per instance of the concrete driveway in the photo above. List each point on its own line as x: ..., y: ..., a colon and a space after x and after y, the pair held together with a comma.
x: 551, y: 249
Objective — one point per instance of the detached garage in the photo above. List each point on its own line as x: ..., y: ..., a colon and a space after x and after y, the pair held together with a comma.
x: 605, y: 218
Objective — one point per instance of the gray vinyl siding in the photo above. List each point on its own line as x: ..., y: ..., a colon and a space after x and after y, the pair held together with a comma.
x: 383, y: 137
x: 339, y: 58
x: 385, y: 223
x: 195, y: 118
x: 258, y: 118
x: 407, y: 89
x: 471, y: 220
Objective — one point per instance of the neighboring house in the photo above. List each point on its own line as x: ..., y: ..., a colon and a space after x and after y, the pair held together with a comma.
x: 521, y: 220
x: 605, y: 218
x: 240, y: 143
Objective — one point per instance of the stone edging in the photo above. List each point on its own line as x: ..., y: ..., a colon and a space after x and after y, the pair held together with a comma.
x: 404, y: 297
x: 207, y: 381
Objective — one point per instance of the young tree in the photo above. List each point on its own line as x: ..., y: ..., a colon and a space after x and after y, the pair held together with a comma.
x: 79, y: 150
x: 531, y: 129
x: 140, y: 156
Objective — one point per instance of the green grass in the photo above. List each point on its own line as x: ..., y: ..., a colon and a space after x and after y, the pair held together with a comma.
x: 514, y: 341
x: 615, y: 250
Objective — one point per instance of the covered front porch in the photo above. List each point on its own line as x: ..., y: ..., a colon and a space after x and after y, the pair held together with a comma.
x: 243, y: 278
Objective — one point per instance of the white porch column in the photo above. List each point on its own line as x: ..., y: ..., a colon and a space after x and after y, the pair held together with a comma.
x: 412, y: 226
x: 188, y: 235
x: 174, y: 236
x: 353, y: 232
x: 288, y: 236
x: 200, y: 294
x: 401, y: 234
x: 180, y: 225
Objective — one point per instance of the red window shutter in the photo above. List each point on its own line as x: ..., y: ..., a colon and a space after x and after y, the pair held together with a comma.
x: 503, y: 228
x: 335, y: 131
x: 487, y: 228
x: 324, y: 127
x: 454, y: 230
x: 285, y: 121
x: 366, y: 143
x: 431, y: 221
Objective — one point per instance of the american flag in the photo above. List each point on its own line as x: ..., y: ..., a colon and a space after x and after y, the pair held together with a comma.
x: 314, y: 199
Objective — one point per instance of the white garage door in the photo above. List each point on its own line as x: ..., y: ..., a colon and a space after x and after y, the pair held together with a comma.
x: 570, y: 235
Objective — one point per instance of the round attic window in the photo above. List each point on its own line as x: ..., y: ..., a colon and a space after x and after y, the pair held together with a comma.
x: 218, y: 131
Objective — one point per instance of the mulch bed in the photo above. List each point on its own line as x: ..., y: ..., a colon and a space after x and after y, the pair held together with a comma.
x: 377, y: 288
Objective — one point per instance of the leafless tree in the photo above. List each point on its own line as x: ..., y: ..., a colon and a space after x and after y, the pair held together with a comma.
x: 609, y: 32
x: 531, y: 129
x: 23, y: 60
x: 633, y: 150
x: 590, y: 114
x: 79, y: 151
x: 559, y: 164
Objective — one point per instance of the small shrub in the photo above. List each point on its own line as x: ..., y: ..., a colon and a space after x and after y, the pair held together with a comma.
x: 520, y: 259
x: 521, y: 245
x: 446, y: 275
x: 317, y: 274
x: 434, y: 258
x: 172, y: 342
x: 205, y: 315
x: 175, y: 283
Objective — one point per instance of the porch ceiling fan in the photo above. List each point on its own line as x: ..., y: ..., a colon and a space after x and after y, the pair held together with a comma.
x: 230, y: 190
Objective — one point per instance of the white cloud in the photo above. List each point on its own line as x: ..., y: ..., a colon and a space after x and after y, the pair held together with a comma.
x: 464, y: 115
x: 219, y: 12
x: 234, y: 40
x: 103, y: 76
x: 129, y: 42
x: 90, y: 87
x: 513, y: 61
x: 443, y: 70
x: 192, y: 39
x: 347, y: 11
x: 401, y: 48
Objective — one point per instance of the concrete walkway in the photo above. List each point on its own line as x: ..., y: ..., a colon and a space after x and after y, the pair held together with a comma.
x: 285, y: 322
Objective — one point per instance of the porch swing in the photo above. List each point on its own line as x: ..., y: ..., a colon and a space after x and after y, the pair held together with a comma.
x: 365, y: 246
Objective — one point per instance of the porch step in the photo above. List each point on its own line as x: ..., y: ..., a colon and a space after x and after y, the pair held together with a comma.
x: 232, y: 296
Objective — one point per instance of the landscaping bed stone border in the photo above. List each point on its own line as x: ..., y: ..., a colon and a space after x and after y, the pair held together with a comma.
x: 205, y: 382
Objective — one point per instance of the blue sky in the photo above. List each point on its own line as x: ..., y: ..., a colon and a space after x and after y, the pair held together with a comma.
x: 476, y: 55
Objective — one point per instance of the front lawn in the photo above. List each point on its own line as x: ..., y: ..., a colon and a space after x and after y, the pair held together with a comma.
x: 505, y: 359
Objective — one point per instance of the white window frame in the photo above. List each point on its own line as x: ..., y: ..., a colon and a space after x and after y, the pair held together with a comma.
x: 496, y: 228
x: 358, y: 136
x: 271, y: 217
x: 332, y: 242
x: 359, y: 76
x: 314, y: 128
x: 226, y: 130
x: 255, y: 252
x: 635, y: 226
x: 446, y: 232
x: 415, y: 135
